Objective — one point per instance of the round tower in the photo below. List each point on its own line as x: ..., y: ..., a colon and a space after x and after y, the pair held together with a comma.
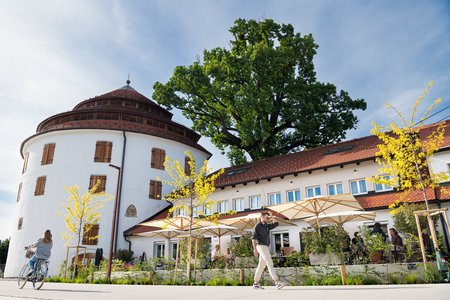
x: 121, y: 128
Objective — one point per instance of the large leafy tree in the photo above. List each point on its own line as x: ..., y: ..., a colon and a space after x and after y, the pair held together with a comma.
x: 262, y: 96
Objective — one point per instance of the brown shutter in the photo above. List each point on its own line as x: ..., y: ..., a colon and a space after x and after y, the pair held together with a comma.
x: 92, y: 181
x: 187, y: 166
x: 99, y: 152
x: 102, y: 186
x: 43, y: 180
x: 44, y: 155
x: 18, y: 193
x: 50, y: 153
x: 25, y: 162
x: 40, y: 186
x: 162, y: 158
x: 108, y: 150
x: 154, y: 157
x: 85, y: 239
x: 94, y: 233
x: 152, y: 189
x: 158, y: 190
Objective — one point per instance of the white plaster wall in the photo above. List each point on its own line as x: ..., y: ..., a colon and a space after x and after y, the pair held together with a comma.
x: 73, y: 164
x: 440, y: 162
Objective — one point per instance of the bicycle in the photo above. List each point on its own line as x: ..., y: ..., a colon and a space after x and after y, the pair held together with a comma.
x: 36, y: 276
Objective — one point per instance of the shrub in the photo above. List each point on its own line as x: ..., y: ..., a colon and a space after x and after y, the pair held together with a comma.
x: 242, y: 247
x: 124, y: 255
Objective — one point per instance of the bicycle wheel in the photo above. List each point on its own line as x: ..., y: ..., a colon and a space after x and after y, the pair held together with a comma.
x: 39, y: 276
x: 22, y: 279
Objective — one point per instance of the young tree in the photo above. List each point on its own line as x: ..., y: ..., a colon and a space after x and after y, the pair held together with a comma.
x: 191, y: 192
x: 82, y: 211
x: 404, y: 154
x: 261, y: 97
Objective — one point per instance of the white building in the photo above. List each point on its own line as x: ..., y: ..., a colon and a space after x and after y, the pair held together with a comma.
x: 75, y: 148
x: 337, y: 168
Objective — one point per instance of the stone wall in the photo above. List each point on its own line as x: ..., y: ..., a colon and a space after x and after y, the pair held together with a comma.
x: 380, y: 272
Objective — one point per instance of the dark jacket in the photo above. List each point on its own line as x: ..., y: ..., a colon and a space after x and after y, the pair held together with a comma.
x: 261, y: 233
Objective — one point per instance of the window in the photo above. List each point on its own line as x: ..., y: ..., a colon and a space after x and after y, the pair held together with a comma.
x: 19, y: 224
x: 180, y: 212
x: 293, y: 195
x: 274, y: 199
x: 159, y: 249
x: 223, y: 206
x: 238, y: 204
x: 335, y: 189
x: 358, y: 187
x: 91, y: 237
x: 155, y: 189
x: 93, y: 181
x: 173, y: 250
x: 313, y: 192
x: 18, y: 193
x: 187, y: 166
x: 280, y: 240
x: 103, y: 151
x: 25, y: 162
x: 131, y: 211
x: 47, y: 154
x: 255, y: 202
x: 40, y: 186
x: 158, y: 157
x: 383, y: 187
x: 208, y: 210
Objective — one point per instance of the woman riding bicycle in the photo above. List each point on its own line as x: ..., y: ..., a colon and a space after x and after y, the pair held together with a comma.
x: 43, y: 249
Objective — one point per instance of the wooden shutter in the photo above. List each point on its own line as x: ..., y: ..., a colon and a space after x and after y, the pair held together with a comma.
x: 187, y: 166
x: 44, y: 155
x: 40, y: 186
x: 88, y: 237
x: 25, y: 162
x: 47, y: 154
x: 162, y: 158
x: 18, y: 193
x: 50, y: 153
x: 99, y: 151
x: 158, y: 190
x: 152, y: 189
x: 93, y: 181
x: 108, y: 151
x: 154, y: 157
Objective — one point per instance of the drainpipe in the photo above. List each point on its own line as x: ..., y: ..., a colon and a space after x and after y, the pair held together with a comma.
x: 129, y: 242
x: 120, y: 189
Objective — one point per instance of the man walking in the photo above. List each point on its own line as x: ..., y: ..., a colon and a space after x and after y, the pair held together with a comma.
x: 261, y: 243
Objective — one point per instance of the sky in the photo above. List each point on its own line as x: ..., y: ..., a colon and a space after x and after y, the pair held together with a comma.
x: 55, y: 54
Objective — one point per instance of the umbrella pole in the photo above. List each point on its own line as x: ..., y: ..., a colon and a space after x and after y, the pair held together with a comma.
x: 176, y: 260
x: 195, y: 263
x: 318, y: 226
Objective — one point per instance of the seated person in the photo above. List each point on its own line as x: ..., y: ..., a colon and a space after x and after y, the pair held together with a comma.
x: 215, y: 253
x: 397, y: 244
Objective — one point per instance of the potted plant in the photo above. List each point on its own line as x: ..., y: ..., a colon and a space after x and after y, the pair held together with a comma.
x: 375, y: 245
x: 324, y: 248
x: 242, y: 249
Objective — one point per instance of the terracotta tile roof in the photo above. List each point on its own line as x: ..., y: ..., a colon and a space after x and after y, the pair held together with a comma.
x: 382, y: 200
x: 317, y: 158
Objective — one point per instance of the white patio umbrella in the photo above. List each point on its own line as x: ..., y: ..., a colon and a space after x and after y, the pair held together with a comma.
x: 178, y: 223
x: 317, y: 205
x: 249, y: 221
x: 218, y: 230
x: 341, y: 218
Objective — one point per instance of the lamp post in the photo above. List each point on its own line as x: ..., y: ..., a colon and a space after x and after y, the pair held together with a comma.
x: 113, y: 229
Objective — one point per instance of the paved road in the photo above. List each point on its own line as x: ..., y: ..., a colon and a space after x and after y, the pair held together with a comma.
x: 9, y: 290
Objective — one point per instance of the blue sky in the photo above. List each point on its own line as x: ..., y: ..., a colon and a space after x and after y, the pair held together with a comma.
x: 54, y: 54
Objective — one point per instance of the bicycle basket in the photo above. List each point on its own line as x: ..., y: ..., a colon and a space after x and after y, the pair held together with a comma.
x: 29, y: 253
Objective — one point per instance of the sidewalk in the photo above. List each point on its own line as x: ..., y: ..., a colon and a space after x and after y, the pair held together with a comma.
x: 9, y: 290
